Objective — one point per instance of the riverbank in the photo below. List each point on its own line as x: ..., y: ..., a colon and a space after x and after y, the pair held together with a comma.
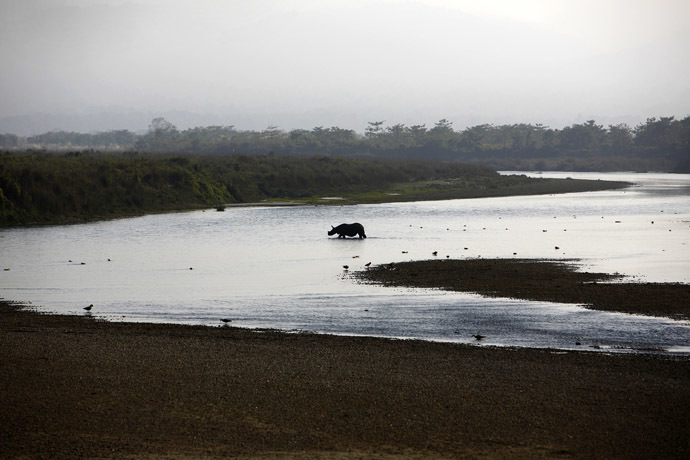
x: 76, y: 387
x: 541, y: 280
x: 44, y: 188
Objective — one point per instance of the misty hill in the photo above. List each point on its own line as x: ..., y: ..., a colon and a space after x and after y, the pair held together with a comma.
x: 659, y: 144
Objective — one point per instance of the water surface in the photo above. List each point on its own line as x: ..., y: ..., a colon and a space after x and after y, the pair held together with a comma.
x: 274, y: 267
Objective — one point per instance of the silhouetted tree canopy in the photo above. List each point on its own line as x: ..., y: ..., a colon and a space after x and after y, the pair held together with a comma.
x: 659, y: 143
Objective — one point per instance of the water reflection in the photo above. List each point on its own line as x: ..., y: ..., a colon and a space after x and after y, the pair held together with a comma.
x: 275, y: 267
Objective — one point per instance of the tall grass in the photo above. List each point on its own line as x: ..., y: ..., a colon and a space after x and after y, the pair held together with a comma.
x: 49, y: 188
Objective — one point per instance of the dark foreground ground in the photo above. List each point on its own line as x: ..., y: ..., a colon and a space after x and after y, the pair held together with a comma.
x: 75, y: 387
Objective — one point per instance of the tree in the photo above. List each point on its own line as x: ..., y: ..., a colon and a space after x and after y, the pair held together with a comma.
x: 374, y: 130
x: 586, y: 137
x: 418, y: 134
x: 442, y: 136
x: 661, y: 133
x: 9, y: 140
x: 620, y: 137
x: 161, y: 126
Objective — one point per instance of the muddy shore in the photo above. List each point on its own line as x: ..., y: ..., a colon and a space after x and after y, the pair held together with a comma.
x: 76, y: 387
x: 544, y: 280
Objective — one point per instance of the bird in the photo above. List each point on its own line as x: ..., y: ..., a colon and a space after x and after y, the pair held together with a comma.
x: 346, y: 267
x: 435, y: 253
x: 478, y: 336
x: 367, y: 264
x: 88, y: 308
x: 226, y: 320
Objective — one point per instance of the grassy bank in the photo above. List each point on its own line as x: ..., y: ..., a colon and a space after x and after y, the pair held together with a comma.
x: 547, y: 280
x: 40, y: 188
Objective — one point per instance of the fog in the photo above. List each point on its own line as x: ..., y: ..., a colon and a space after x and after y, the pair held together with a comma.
x: 99, y: 65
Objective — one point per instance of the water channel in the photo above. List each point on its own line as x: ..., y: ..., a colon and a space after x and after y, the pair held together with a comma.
x: 275, y: 267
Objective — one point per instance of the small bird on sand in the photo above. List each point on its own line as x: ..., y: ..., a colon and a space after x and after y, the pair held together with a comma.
x: 478, y: 336
x: 226, y: 320
x: 88, y: 308
x: 346, y: 267
x: 435, y: 253
x: 367, y: 264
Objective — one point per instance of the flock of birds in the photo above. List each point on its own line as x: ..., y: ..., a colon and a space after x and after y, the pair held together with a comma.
x: 478, y: 337
x: 226, y: 321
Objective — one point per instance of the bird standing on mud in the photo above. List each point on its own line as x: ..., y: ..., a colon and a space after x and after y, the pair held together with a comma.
x: 88, y: 308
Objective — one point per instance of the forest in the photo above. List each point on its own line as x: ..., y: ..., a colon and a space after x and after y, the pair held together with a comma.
x: 659, y: 144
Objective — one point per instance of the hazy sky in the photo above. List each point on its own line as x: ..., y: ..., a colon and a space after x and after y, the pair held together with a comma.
x: 300, y: 64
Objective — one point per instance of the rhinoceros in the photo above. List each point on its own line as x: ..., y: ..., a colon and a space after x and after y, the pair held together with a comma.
x: 344, y: 230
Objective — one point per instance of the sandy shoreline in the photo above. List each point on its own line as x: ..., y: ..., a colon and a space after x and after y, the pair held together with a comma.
x: 75, y: 387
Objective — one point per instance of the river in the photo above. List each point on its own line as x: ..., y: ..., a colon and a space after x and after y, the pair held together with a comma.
x: 275, y: 267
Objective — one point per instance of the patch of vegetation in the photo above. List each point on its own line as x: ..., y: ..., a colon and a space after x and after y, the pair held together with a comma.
x: 60, y: 188
x: 38, y: 187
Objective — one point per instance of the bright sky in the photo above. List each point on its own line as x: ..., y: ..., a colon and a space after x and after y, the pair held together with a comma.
x: 300, y: 64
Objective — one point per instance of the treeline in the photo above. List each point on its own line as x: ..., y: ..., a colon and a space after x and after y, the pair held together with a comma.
x: 72, y: 187
x: 658, y: 144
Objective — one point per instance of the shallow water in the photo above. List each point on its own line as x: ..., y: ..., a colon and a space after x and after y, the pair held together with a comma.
x: 274, y: 267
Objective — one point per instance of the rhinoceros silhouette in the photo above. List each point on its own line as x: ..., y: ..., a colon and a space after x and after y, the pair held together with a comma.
x: 344, y: 230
